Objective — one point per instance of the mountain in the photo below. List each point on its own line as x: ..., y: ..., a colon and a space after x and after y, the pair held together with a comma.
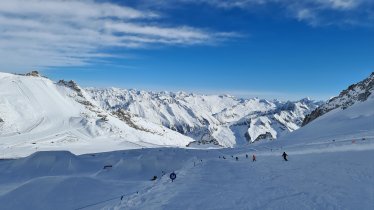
x: 347, y: 117
x: 220, y: 120
x: 355, y: 93
x: 38, y: 114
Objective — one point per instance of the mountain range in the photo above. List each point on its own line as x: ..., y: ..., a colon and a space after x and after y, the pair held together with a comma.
x: 39, y: 114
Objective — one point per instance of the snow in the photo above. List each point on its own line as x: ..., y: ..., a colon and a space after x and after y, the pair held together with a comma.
x: 333, y: 175
x: 353, y: 123
x: 39, y: 115
x: 208, y: 118
x: 309, y: 182
x: 355, y: 93
x: 62, y: 151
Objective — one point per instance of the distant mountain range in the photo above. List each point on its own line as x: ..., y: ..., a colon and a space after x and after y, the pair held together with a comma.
x: 39, y: 114
x: 209, y: 119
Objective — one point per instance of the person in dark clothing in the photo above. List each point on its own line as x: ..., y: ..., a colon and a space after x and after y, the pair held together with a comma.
x: 253, y: 158
x: 285, y: 156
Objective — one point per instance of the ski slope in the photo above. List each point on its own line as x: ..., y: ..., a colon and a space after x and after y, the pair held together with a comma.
x: 323, y: 176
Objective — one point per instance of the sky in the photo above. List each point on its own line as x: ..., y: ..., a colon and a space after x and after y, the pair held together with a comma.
x: 284, y: 49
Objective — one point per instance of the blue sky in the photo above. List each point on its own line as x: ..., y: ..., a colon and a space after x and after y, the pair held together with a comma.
x: 266, y: 48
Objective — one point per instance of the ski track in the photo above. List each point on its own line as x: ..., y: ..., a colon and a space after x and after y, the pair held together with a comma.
x: 309, y: 181
x: 318, y: 176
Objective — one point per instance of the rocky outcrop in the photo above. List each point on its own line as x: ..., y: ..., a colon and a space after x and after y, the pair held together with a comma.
x: 33, y: 74
x: 126, y: 117
x: 267, y: 135
x: 73, y: 85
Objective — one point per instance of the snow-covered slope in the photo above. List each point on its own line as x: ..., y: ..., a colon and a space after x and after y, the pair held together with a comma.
x: 353, y: 123
x: 38, y: 114
x: 220, y: 120
x: 330, y: 159
x: 349, y: 116
x: 353, y: 94
x: 326, y: 176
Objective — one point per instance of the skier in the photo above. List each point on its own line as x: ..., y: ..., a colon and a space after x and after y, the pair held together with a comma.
x: 246, y: 156
x: 253, y: 157
x: 237, y: 158
x: 285, y: 156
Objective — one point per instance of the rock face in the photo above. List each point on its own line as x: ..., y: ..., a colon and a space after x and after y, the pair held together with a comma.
x: 71, y: 84
x: 217, y: 120
x: 355, y: 93
x: 33, y: 74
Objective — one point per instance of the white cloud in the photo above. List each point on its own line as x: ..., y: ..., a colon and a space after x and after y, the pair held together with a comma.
x: 332, y: 4
x: 57, y: 33
x: 341, y: 4
x: 313, y: 12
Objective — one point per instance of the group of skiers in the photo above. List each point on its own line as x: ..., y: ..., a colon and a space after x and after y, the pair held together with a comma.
x: 284, y: 155
x: 254, y: 159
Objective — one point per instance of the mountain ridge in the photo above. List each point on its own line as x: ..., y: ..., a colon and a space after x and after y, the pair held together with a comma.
x: 218, y: 119
x: 39, y: 114
x: 357, y: 92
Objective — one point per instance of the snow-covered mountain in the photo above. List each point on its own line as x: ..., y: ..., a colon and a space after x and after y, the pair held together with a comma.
x: 329, y: 163
x: 38, y: 114
x: 349, y: 116
x: 221, y: 120
x: 355, y: 93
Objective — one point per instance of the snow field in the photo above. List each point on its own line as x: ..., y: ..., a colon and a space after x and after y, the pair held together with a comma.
x: 334, y: 175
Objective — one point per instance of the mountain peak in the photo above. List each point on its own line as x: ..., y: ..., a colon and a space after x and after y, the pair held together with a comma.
x: 219, y: 119
x: 33, y: 74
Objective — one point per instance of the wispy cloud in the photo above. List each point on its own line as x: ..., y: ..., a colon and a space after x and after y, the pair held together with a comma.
x: 313, y: 12
x: 57, y: 33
